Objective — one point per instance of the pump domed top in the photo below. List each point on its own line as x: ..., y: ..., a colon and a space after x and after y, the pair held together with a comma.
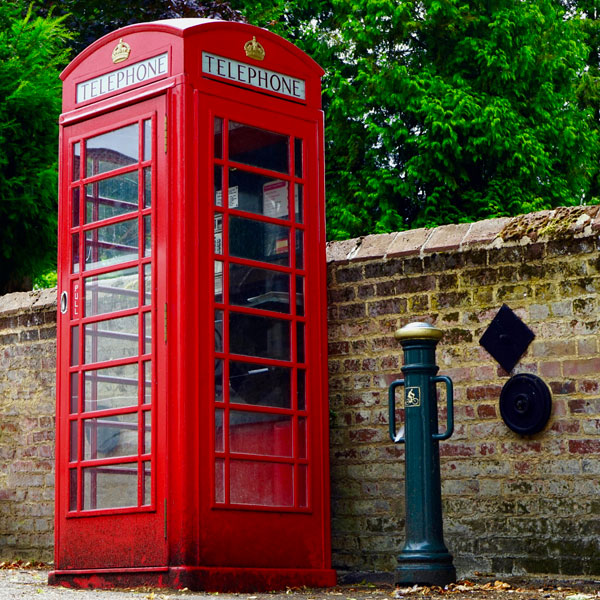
x: 230, y: 52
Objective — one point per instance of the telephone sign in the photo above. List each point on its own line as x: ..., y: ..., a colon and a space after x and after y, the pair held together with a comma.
x: 192, y: 418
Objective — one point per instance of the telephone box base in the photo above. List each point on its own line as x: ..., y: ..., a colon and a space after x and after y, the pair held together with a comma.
x: 209, y: 579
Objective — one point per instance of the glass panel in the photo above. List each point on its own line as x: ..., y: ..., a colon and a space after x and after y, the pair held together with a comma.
x: 218, y: 186
x: 147, y: 420
x: 251, y: 335
x: 219, y: 437
x: 299, y: 249
x: 218, y: 331
x: 258, y: 147
x: 110, y: 292
x: 75, y: 252
x: 111, y: 339
x: 111, y: 245
x: 73, y: 489
x: 75, y: 207
x: 74, y: 392
x: 112, y: 150
x: 113, y: 387
x: 147, y: 284
x: 218, y: 234
x: 147, y: 236
x: 256, y: 240
x: 111, y: 197
x: 218, y: 380
x: 259, y: 288
x: 301, y: 437
x: 147, y: 139
x: 298, y: 157
x: 147, y: 187
x: 218, y: 137
x: 147, y: 374
x: 219, y: 480
x: 259, y: 194
x: 261, y: 484
x: 299, y: 295
x: 147, y: 333
x: 302, y: 486
x: 218, y: 281
x: 76, y: 161
x: 300, y: 342
x: 74, y: 345
x: 147, y: 499
x: 299, y: 202
x: 260, y: 433
x: 301, y: 389
x: 262, y: 385
x: 73, y: 441
x: 105, y: 437
x: 110, y: 486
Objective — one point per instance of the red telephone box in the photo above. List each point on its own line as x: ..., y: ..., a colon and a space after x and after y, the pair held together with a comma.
x: 192, y: 419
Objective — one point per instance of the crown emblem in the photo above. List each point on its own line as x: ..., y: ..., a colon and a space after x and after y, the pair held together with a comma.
x: 121, y: 52
x: 254, y: 49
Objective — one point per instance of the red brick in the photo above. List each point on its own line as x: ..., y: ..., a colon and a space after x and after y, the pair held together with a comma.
x: 486, y: 411
x: 581, y: 367
x: 565, y: 426
x: 584, y: 446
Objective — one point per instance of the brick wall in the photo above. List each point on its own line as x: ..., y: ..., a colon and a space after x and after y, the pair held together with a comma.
x: 27, y: 378
x: 512, y: 504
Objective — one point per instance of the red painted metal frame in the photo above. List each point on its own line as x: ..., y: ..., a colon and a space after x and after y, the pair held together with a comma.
x: 199, y: 543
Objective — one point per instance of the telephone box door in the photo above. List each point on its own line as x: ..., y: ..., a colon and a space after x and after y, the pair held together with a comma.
x: 111, y: 408
x: 264, y: 504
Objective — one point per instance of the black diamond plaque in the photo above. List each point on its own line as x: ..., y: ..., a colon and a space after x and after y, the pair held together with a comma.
x: 507, y: 338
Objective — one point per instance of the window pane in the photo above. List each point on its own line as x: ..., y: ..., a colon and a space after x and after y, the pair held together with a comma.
x: 110, y: 292
x: 113, y: 387
x: 147, y: 393
x: 147, y: 187
x: 147, y: 466
x: 218, y: 380
x: 147, y: 348
x: 75, y: 207
x: 111, y: 486
x: 301, y: 437
x: 256, y: 240
x: 218, y: 186
x: 218, y: 331
x: 76, y: 161
x: 259, y: 288
x: 299, y: 249
x: 74, y: 392
x: 218, y: 233
x: 219, y: 437
x: 110, y: 436
x: 73, y: 489
x: 147, y: 236
x: 251, y: 335
x: 301, y: 389
x: 255, y: 193
x: 261, y: 385
x: 111, y: 197
x: 111, y: 339
x: 300, y: 295
x: 74, y: 345
x: 111, y: 245
x: 258, y: 147
x: 299, y: 202
x: 75, y: 252
x: 73, y: 445
x: 147, y: 421
x: 298, y: 157
x: 219, y: 480
x: 147, y: 139
x: 218, y: 281
x: 300, y: 341
x: 147, y: 283
x: 259, y: 433
x: 261, y: 484
x: 302, y: 486
x: 112, y: 150
x: 218, y: 137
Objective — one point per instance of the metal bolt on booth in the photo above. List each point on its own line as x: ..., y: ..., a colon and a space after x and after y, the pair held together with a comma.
x: 424, y: 558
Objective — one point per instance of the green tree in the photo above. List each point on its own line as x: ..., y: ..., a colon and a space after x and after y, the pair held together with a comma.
x: 32, y: 53
x: 441, y: 111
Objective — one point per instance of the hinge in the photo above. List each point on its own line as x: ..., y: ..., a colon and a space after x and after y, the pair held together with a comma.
x: 166, y: 136
x: 165, y: 322
x: 165, y: 529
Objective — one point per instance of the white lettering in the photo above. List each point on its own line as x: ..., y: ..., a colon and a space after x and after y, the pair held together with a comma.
x: 263, y: 79
x: 117, y: 80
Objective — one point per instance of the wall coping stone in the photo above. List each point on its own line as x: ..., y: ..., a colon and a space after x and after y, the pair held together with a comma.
x: 560, y: 223
x: 36, y: 300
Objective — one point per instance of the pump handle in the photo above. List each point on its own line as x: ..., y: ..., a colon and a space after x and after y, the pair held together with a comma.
x: 396, y: 438
x: 449, y: 407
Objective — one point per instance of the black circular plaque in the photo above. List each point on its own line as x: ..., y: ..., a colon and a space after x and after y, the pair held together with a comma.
x: 525, y: 403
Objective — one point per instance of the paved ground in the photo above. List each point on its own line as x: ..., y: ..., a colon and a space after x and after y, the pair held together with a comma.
x: 30, y: 584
